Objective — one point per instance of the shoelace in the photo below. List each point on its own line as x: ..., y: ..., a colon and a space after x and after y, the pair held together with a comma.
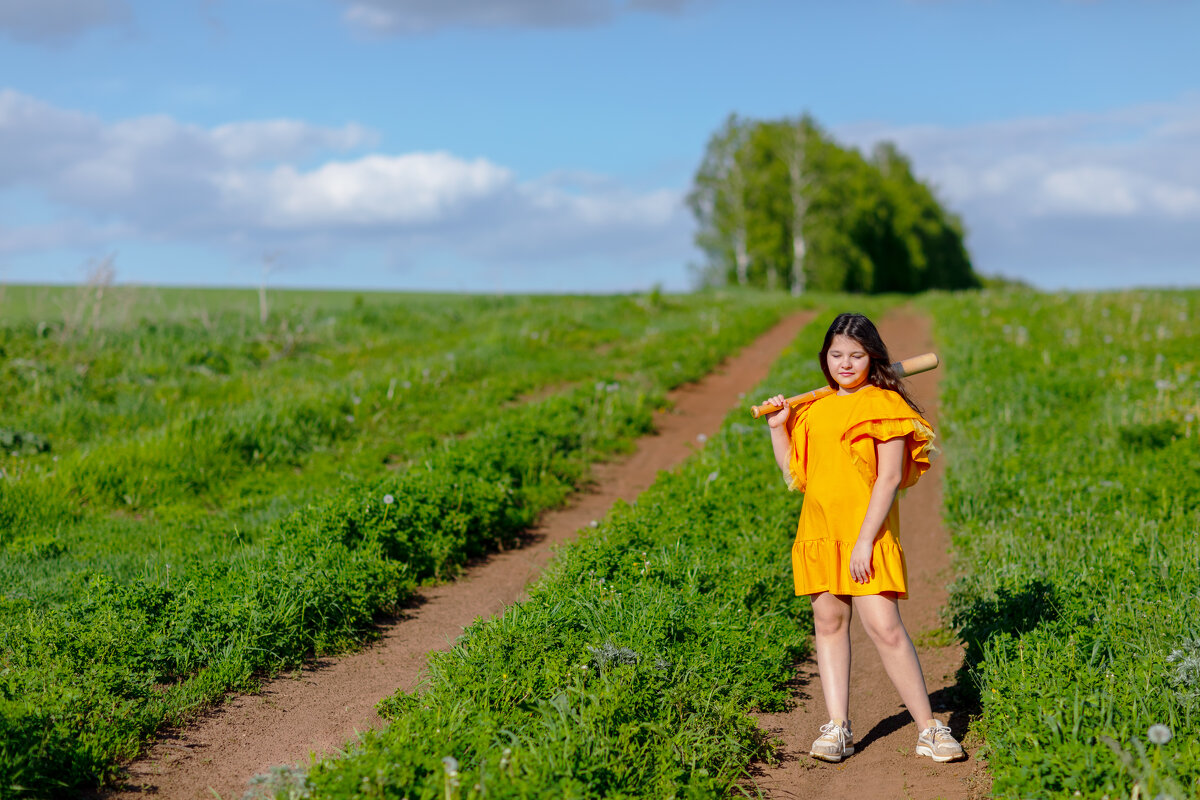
x: 938, y: 731
x: 831, y: 728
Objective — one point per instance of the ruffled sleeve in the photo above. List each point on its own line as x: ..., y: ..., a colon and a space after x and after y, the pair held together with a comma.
x: 880, y: 416
x: 797, y: 428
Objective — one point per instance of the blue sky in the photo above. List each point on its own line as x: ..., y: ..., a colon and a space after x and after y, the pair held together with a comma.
x: 546, y: 145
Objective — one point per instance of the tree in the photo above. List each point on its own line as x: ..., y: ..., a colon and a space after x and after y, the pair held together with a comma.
x: 718, y: 200
x: 781, y: 205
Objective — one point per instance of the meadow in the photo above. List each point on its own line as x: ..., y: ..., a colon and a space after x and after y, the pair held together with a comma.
x: 1073, y: 494
x: 193, y: 496
x: 313, y: 482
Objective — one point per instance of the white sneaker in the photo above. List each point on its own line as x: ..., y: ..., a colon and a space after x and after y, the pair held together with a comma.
x: 834, y: 743
x: 937, y: 743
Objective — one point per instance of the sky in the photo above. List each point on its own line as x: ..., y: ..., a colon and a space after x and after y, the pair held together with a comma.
x: 548, y: 145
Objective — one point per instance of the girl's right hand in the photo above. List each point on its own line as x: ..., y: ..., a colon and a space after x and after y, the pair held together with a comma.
x: 777, y: 419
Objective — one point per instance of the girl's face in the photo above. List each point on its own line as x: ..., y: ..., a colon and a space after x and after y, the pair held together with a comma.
x: 848, y: 363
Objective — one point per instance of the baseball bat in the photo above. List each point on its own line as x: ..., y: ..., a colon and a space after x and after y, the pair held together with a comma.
x: 909, y: 366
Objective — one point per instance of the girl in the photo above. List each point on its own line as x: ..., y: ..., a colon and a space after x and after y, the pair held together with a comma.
x: 850, y: 452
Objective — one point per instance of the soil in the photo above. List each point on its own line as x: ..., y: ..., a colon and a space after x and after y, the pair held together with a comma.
x: 318, y: 708
x: 884, y: 764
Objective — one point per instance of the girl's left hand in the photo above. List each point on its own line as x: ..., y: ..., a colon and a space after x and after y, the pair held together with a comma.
x: 860, y: 562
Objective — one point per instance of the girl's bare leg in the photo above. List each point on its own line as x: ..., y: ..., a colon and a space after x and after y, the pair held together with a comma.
x: 831, y: 621
x: 880, y: 616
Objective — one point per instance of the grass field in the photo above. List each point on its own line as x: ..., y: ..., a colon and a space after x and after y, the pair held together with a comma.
x: 1074, y: 496
x: 186, y: 432
x: 192, y: 497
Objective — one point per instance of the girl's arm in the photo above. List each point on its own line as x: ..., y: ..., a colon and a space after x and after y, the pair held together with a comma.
x: 781, y: 441
x: 889, y: 458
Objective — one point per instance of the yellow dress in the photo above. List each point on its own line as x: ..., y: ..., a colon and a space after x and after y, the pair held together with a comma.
x: 833, y: 463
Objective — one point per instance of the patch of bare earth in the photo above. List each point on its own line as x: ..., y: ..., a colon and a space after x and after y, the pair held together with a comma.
x: 884, y: 764
x: 317, y: 709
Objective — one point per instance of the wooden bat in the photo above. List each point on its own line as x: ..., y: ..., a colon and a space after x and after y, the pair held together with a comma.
x: 909, y: 366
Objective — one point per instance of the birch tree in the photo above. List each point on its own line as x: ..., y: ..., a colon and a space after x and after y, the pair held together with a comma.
x: 800, y: 180
x: 718, y: 200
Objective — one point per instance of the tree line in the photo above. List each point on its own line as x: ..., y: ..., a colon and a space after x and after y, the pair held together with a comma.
x: 781, y: 205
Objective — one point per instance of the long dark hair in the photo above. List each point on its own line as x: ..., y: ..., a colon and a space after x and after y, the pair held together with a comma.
x: 881, y: 373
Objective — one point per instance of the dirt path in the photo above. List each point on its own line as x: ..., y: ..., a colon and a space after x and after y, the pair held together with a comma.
x: 884, y: 765
x: 319, y: 708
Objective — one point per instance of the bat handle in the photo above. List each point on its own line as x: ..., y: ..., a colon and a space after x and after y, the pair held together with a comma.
x: 800, y: 399
x: 765, y: 408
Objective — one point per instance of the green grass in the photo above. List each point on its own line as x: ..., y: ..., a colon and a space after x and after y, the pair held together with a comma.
x: 183, y: 435
x: 211, y: 525
x: 1074, y: 498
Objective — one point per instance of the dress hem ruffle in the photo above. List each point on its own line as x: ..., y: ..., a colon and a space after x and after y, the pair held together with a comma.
x: 823, y: 565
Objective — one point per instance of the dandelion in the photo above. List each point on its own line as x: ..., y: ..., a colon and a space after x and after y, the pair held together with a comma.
x: 1159, y: 734
x: 388, y: 499
x: 701, y: 438
x: 712, y: 476
x: 355, y: 399
x: 451, y: 765
x: 594, y: 524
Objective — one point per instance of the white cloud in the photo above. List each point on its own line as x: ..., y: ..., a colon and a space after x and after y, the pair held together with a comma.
x: 1089, y: 190
x: 57, y: 21
x: 284, y: 139
x: 415, y: 189
x: 1050, y: 198
x: 420, y: 16
x: 269, y: 185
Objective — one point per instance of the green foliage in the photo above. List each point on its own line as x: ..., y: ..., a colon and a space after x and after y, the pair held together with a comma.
x: 175, y: 459
x: 1074, y: 497
x: 240, y: 514
x: 781, y: 205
